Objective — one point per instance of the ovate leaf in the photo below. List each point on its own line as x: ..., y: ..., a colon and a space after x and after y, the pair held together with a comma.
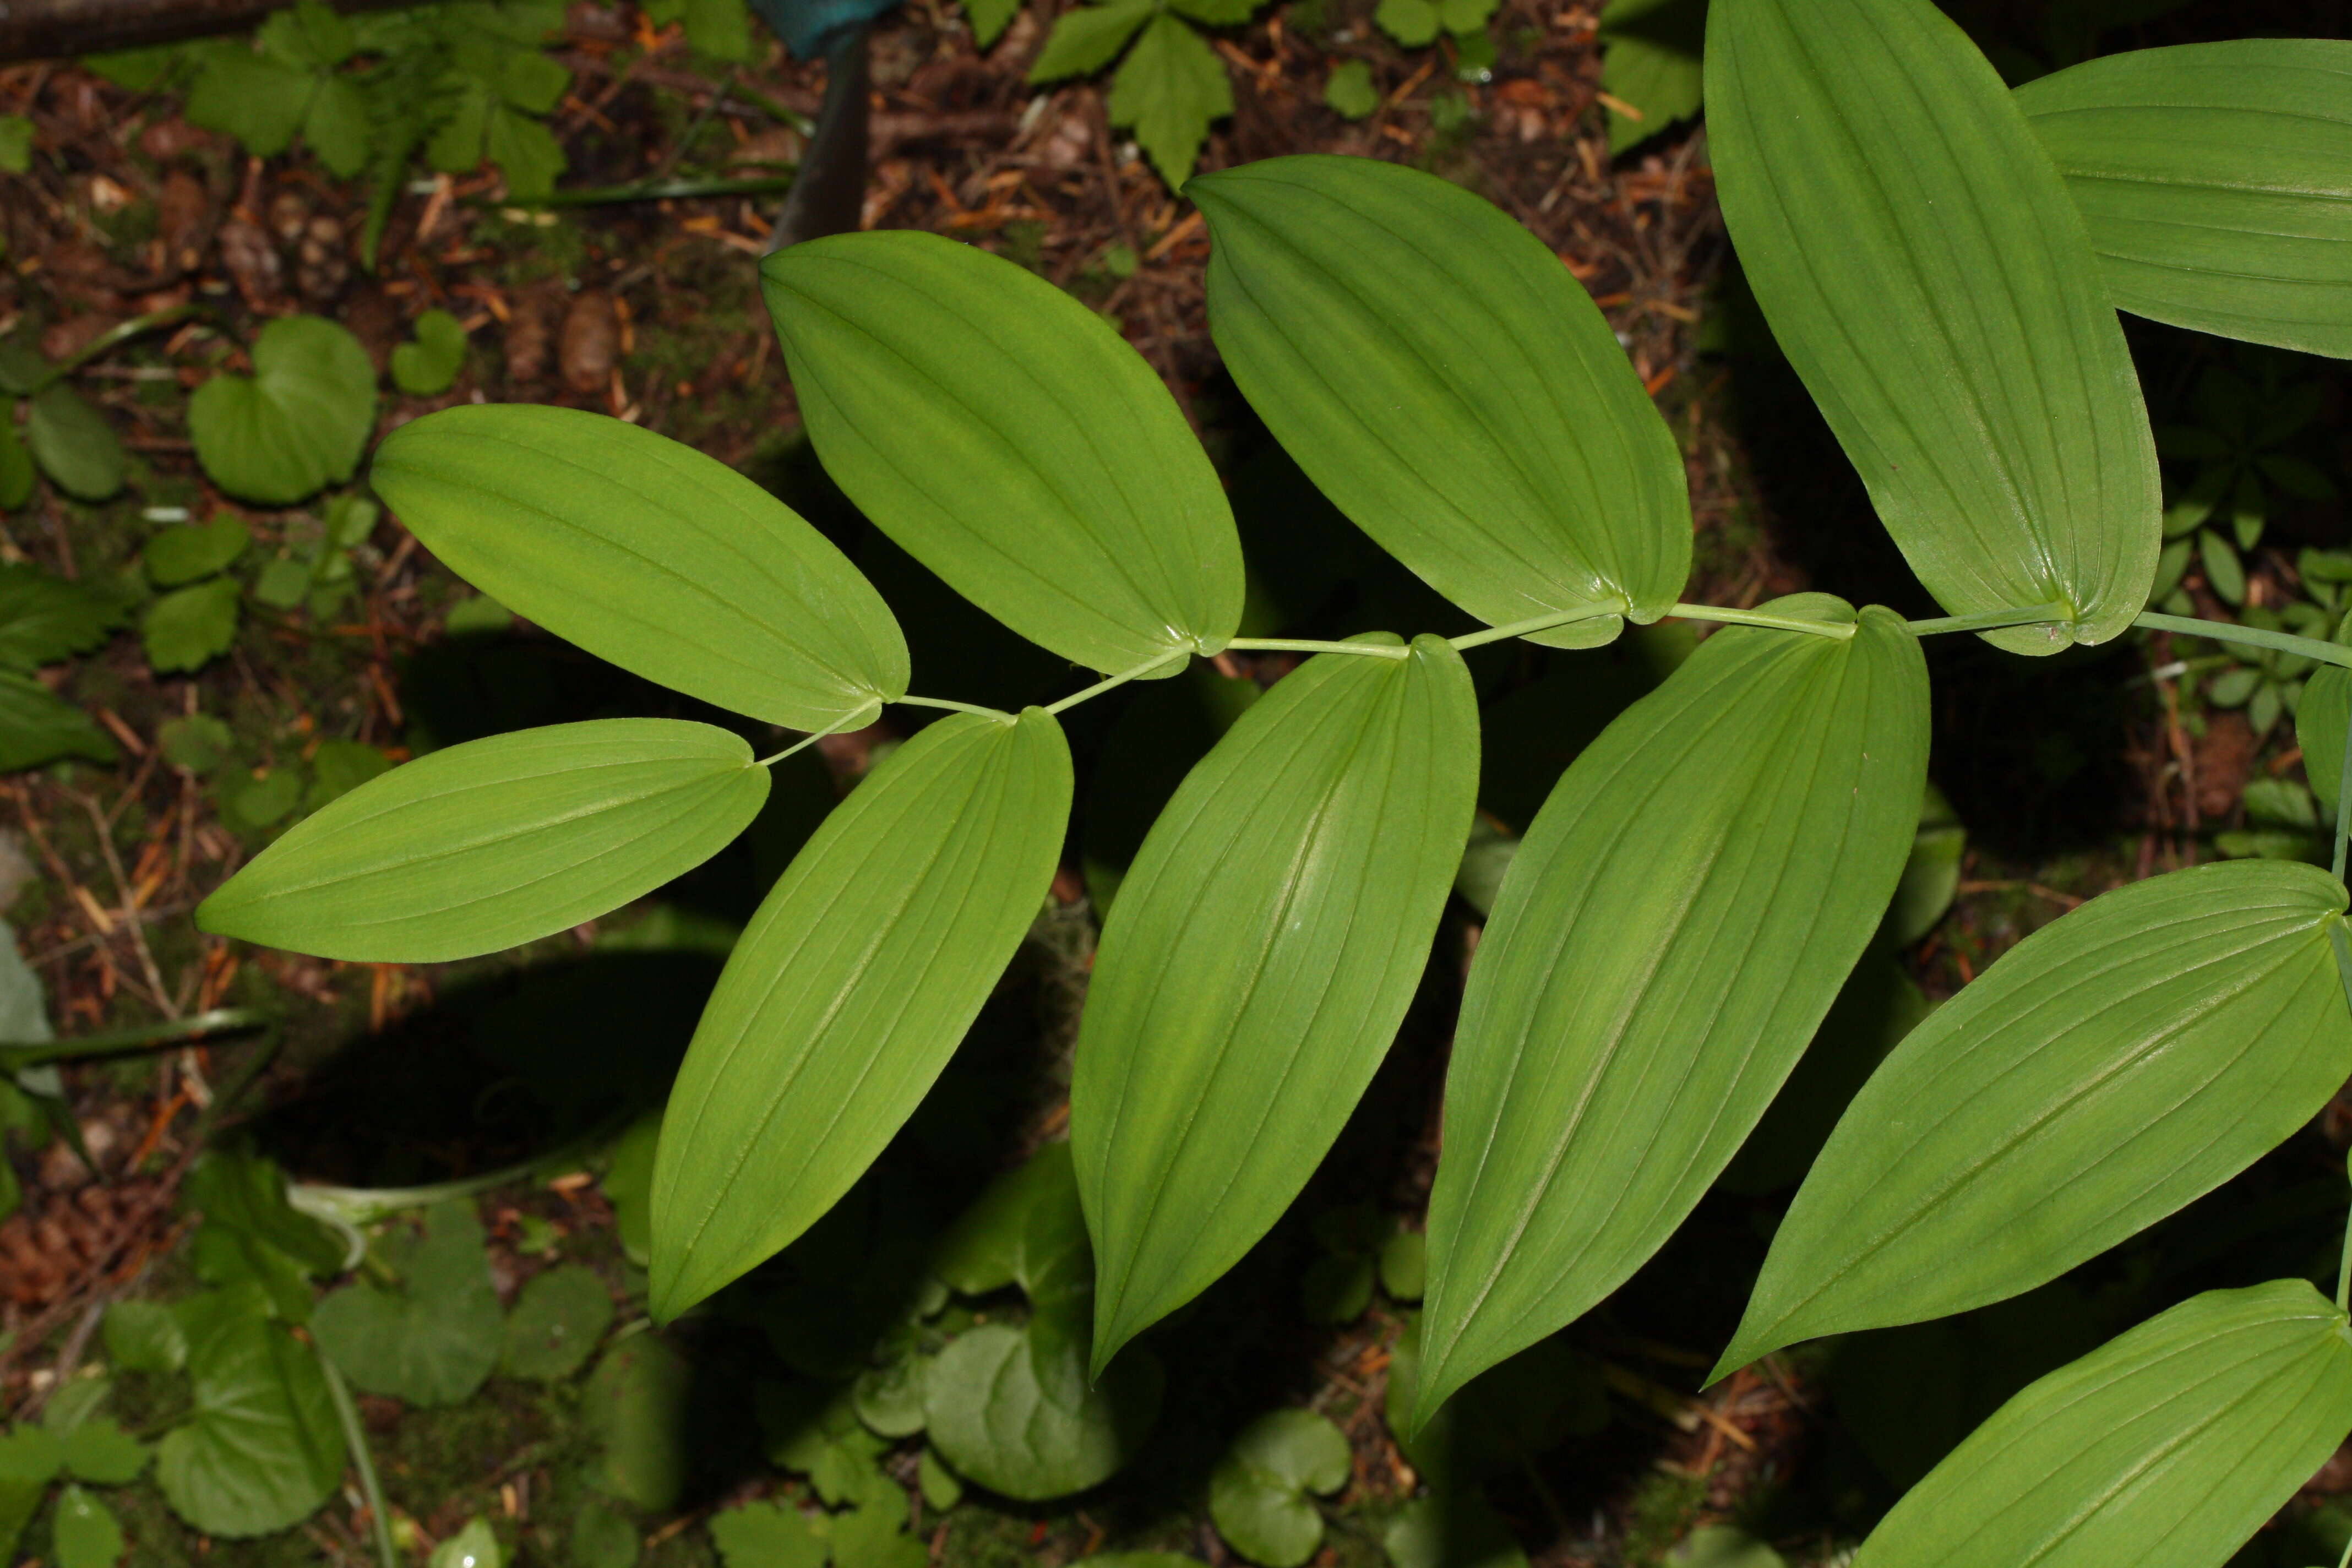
x: 258, y: 100
x: 1445, y: 380
x: 262, y: 1448
x: 74, y: 444
x: 432, y: 1336
x: 647, y: 553
x: 177, y: 555
x: 38, y: 726
x: 2170, y: 1444
x: 1262, y: 950
x: 1006, y: 438
x: 1168, y: 88
x: 189, y: 628
x: 2217, y: 183
x: 556, y: 1324
x: 2112, y: 1067
x: 295, y: 426
x: 1922, y: 263
x: 496, y: 842
x: 1677, y: 923
x: 849, y: 990
x: 85, y: 1531
x: 1087, y: 38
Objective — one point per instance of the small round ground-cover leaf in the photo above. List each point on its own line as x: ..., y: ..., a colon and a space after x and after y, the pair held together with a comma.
x: 556, y: 1324
x: 262, y: 1448
x: 1451, y: 386
x: 1007, y: 438
x: 2171, y: 1443
x: 768, y: 1535
x: 84, y: 1532
x: 1259, y: 1494
x: 298, y: 424
x: 427, y: 366
x: 181, y: 554
x: 647, y: 553
x: 432, y: 1339
x: 496, y: 842
x: 850, y: 989
x: 2117, y: 1064
x: 635, y: 1404
x: 74, y: 444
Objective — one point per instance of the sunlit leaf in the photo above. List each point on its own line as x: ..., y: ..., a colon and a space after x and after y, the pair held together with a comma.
x: 1682, y: 914
x: 2170, y: 1444
x: 1445, y: 380
x: 1011, y: 441
x: 495, y: 842
x: 1921, y: 262
x: 2217, y: 183
x: 2110, y: 1067
x: 1263, y: 952
x: 647, y: 553
x: 850, y: 988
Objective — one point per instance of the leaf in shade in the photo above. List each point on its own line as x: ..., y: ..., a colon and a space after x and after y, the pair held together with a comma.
x: 2217, y: 183
x: 1260, y: 957
x: 44, y: 619
x: 2113, y: 1066
x: 1006, y: 438
x: 496, y: 842
x: 38, y: 726
x: 1922, y: 263
x: 850, y: 989
x: 262, y: 1448
x: 1639, y: 996
x: 647, y: 553
x: 435, y: 1336
x: 74, y: 444
x: 1446, y: 381
x: 2169, y: 1444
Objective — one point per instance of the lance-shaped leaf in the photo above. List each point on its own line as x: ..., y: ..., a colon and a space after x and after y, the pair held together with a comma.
x: 1922, y: 263
x: 1261, y: 955
x: 1006, y: 438
x: 647, y: 553
x: 1681, y: 915
x: 496, y: 842
x: 851, y: 988
x: 1445, y: 380
x: 2217, y: 183
x: 2169, y: 1444
x: 2112, y: 1067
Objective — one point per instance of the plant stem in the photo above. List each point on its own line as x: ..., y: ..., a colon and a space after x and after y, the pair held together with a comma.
x: 110, y: 339
x: 2251, y: 636
x: 355, y: 1439
x: 1121, y: 679
x: 1543, y: 623
x: 857, y: 721
x: 648, y: 191
x: 1307, y: 644
x: 1837, y: 630
x: 118, y: 1041
x: 1994, y: 620
x: 957, y: 706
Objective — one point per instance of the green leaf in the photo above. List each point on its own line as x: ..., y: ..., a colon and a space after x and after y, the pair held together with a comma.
x: 1651, y: 61
x: 1461, y: 399
x: 850, y: 989
x: 768, y: 1535
x: 1451, y: 1529
x: 262, y: 1449
x: 1087, y: 38
x: 85, y: 1534
x: 74, y: 444
x: 1168, y: 88
x: 475, y: 1546
x: 1008, y: 439
x: 1721, y: 1546
x: 1412, y: 22
x: 145, y: 1336
x: 2171, y: 1443
x: 1875, y: 175
x: 1013, y: 1408
x: 636, y: 1404
x: 940, y: 1488
x: 496, y: 842
x: 1349, y: 91
x: 2217, y: 183
x: 646, y: 553
x: 100, y: 1451
x: 38, y: 726
x: 1263, y: 952
x: 337, y: 128
x: 1258, y: 1494
x: 426, y: 367
x: 989, y: 18
x: 2113, y: 1066
x: 178, y: 555
x: 1404, y: 1265
x: 526, y: 152
x: 189, y: 628
x: 602, y: 1537
x: 556, y: 1324
x: 44, y: 619
x: 338, y: 767
x: 295, y: 426
x: 259, y: 101
x: 1639, y: 995
x: 434, y: 1339
x: 16, y: 471
x: 16, y: 143
x: 2223, y: 570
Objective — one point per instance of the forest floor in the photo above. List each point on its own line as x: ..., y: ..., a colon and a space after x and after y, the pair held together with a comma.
x: 650, y: 312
